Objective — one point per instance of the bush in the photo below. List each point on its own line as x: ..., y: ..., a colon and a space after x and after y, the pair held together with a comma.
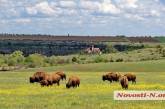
x: 99, y: 59
x: 109, y: 49
x: 61, y: 61
x: 83, y: 58
x: 52, y: 60
x: 159, y: 49
x: 119, y: 60
x: 35, y: 60
x: 16, y: 58
x: 163, y: 53
x: 74, y: 59
x: 111, y: 60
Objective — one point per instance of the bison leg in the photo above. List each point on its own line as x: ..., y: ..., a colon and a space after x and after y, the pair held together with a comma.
x: 50, y: 83
x: 133, y: 81
x: 43, y: 85
x: 126, y: 87
x: 58, y: 83
x: 65, y: 77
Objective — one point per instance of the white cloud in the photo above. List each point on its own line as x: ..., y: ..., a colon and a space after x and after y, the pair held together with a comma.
x: 89, y: 5
x: 107, y: 7
x: 84, y: 12
x: 134, y: 17
x: 23, y: 20
x: 154, y: 13
x: 104, y: 7
x: 131, y: 3
x: 127, y: 3
x: 31, y: 10
x: 67, y: 4
x: 42, y: 7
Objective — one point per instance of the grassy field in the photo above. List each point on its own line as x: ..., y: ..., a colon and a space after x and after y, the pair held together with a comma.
x: 17, y: 93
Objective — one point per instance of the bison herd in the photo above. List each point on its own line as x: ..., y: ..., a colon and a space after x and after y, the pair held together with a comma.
x: 113, y: 76
x: 45, y: 79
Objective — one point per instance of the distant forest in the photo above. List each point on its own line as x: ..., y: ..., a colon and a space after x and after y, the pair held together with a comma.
x: 64, y: 45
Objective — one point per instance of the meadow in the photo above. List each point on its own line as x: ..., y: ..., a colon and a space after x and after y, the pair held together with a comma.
x: 17, y: 93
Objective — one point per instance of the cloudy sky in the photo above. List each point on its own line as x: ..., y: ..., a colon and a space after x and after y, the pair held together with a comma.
x: 83, y: 17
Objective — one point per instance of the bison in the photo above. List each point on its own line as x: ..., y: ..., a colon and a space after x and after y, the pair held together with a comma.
x: 131, y: 77
x: 37, y: 77
x: 52, y: 79
x: 124, y: 82
x: 73, y: 81
x: 111, y: 77
x: 62, y: 75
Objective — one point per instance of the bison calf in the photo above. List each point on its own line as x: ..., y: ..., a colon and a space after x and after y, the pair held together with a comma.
x: 73, y: 81
x: 124, y: 82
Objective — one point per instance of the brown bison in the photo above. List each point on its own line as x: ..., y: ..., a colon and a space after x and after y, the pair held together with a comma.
x: 131, y: 77
x: 124, y: 82
x: 111, y: 77
x: 52, y: 79
x: 62, y: 75
x: 73, y: 81
x: 37, y: 77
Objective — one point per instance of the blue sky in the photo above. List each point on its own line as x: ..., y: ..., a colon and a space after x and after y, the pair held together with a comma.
x: 83, y: 17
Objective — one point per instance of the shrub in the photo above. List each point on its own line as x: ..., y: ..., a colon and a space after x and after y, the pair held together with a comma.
x: 119, y: 60
x: 99, y: 59
x: 111, y: 60
x: 16, y: 58
x: 110, y: 49
x: 74, y: 59
x: 52, y: 60
x: 61, y: 61
x: 163, y: 53
x: 35, y: 60
x: 83, y: 58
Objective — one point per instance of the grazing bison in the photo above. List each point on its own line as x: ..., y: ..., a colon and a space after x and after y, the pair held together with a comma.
x: 73, y: 81
x: 124, y: 82
x: 37, y: 77
x: 131, y: 77
x: 62, y: 75
x: 52, y: 79
x: 111, y: 77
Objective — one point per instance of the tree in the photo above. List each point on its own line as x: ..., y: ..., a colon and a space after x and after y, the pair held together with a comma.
x: 35, y: 60
x: 16, y: 58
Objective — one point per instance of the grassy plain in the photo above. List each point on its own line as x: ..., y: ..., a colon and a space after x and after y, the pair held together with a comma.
x: 17, y: 93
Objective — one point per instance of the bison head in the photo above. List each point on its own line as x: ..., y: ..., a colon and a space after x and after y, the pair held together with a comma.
x: 32, y: 79
x: 67, y: 85
x: 104, y: 77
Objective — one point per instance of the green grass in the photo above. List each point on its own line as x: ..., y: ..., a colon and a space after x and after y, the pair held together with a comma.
x: 144, y: 66
x: 17, y: 93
